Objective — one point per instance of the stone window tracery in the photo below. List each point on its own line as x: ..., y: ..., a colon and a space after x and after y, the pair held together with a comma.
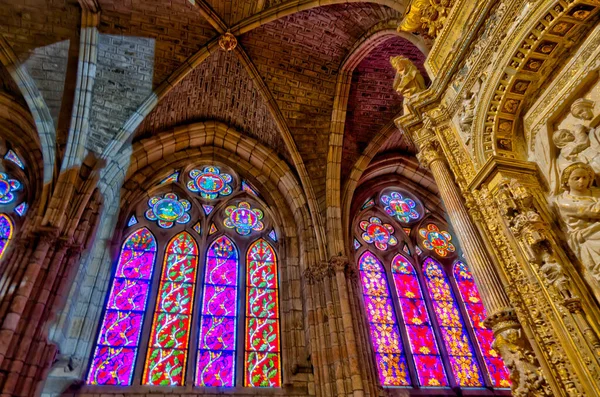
x: 194, y: 299
x: 433, y: 306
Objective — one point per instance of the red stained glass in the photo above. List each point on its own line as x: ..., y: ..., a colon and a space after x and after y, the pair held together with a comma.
x: 383, y: 324
x: 215, y: 366
x: 462, y: 357
x: 262, y: 335
x: 167, y: 353
x: 166, y: 367
x: 181, y: 268
x: 118, y: 339
x: 423, y: 344
x: 170, y: 331
x: 472, y: 301
x: 262, y: 369
x: 262, y: 303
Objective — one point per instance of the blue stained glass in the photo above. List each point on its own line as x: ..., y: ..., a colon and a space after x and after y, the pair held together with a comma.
x: 248, y: 189
x: 273, y: 235
x: 21, y: 209
x: 132, y: 221
x: 12, y: 156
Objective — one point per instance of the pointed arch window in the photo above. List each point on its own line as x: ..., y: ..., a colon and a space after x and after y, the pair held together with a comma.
x: 177, y: 295
x: 434, y: 306
x: 6, y: 232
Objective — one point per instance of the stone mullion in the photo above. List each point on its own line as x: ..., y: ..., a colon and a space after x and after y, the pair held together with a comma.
x: 339, y: 265
x: 491, y: 289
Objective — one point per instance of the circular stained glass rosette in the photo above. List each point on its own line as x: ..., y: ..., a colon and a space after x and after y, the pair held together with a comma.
x: 437, y: 240
x: 7, y: 187
x: 210, y: 182
x: 168, y: 210
x: 243, y: 218
x: 378, y: 233
x: 403, y: 208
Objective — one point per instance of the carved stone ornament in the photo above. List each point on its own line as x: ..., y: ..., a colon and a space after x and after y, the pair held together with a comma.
x: 429, y: 152
x: 426, y: 17
x: 338, y: 263
x: 228, y: 42
x: 579, y: 207
x: 408, y: 80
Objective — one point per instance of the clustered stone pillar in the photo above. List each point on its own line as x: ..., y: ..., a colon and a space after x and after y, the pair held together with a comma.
x: 502, y: 318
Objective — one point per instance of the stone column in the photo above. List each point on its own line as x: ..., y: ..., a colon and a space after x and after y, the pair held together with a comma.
x: 492, y: 292
x: 509, y: 338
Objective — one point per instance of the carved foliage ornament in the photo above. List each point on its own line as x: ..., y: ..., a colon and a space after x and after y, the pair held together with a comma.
x: 426, y: 17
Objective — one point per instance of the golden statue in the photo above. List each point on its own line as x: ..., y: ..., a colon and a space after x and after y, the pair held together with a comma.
x: 408, y: 80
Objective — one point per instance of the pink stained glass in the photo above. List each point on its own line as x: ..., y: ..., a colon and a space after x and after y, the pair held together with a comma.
x: 216, y: 347
x: 118, y: 339
x: 262, y: 363
x: 383, y: 323
x: 6, y: 232
x: 462, y: 357
x: 472, y: 301
x: 167, y: 351
x: 418, y: 325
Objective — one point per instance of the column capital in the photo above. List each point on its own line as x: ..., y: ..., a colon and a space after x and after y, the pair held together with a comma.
x: 429, y: 152
x: 502, y: 319
x: 338, y: 263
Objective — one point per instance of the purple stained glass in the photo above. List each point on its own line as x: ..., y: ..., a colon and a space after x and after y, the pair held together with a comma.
x: 458, y: 344
x: 383, y: 324
x: 112, y: 366
x: 118, y: 339
x: 12, y: 156
x: 21, y: 209
x: 215, y: 365
x: 472, y: 301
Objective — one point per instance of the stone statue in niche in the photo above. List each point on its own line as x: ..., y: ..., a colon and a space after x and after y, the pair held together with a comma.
x: 467, y: 112
x: 580, y: 143
x: 408, y: 80
x: 579, y: 207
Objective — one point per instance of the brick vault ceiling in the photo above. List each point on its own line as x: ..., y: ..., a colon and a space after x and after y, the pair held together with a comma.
x: 298, y: 58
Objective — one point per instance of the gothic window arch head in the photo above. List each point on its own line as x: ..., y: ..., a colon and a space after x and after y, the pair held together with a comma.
x: 194, y: 300
x: 411, y: 276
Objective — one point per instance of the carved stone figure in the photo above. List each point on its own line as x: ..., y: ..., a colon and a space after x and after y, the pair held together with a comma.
x: 579, y: 207
x: 426, y: 17
x: 580, y: 143
x: 408, y: 80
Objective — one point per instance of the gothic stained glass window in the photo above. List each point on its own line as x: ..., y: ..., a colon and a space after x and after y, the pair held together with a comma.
x: 383, y: 323
x: 217, y: 342
x: 458, y: 344
x: 262, y: 358
x: 6, y: 232
x: 168, y: 347
x: 425, y: 351
x: 470, y: 297
x: 118, y: 340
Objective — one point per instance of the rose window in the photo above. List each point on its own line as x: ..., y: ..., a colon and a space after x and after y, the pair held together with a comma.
x: 437, y: 240
x: 7, y: 187
x: 243, y: 218
x: 168, y: 210
x: 378, y: 233
x: 210, y: 182
x: 403, y: 208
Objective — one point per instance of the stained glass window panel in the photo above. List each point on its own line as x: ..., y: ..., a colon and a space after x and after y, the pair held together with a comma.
x: 471, y: 299
x: 216, y: 345
x: 12, y: 156
x: 167, y: 350
x: 263, y: 357
x: 6, y: 232
x: 383, y: 323
x: 118, y: 339
x: 458, y: 344
x: 418, y: 325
